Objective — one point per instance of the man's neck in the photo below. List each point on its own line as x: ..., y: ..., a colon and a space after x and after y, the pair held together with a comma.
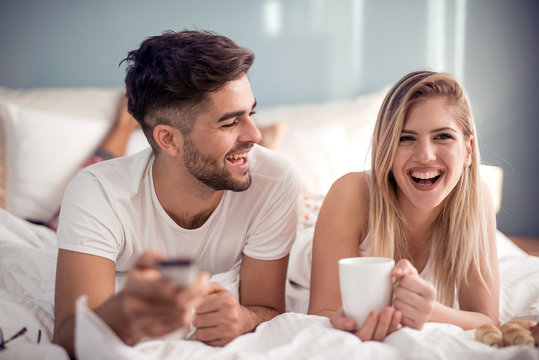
x: 186, y: 200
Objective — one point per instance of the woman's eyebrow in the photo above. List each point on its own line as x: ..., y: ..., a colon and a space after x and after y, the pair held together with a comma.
x: 405, y: 131
x: 444, y: 129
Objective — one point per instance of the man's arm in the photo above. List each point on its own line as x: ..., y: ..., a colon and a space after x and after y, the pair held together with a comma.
x: 262, y: 289
x: 78, y: 274
x: 147, y: 305
x: 221, y: 318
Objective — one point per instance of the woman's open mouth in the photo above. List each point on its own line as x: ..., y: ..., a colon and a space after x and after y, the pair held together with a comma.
x: 425, y: 179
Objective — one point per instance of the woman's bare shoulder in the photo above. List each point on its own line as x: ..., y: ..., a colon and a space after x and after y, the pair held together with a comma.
x: 350, y: 194
x: 355, y: 184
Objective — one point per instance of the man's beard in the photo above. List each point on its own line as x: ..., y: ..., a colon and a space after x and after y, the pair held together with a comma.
x: 206, y: 170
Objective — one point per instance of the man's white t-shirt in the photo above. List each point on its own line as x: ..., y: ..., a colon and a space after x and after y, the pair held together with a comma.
x: 110, y: 209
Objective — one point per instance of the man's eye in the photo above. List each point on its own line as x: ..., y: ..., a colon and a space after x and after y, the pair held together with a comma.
x: 231, y: 124
x: 252, y: 113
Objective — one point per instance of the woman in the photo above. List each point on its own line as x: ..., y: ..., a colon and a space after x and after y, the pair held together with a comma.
x: 422, y: 204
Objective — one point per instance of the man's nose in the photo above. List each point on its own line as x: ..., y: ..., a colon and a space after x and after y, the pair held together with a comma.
x: 250, y: 132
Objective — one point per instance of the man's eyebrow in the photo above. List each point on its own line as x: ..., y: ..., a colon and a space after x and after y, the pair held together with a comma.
x: 234, y: 114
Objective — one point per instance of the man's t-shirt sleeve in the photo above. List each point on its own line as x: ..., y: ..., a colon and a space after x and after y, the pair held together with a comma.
x: 274, y: 231
x: 88, y: 222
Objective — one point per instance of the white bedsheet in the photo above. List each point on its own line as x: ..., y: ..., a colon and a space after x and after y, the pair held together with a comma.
x: 27, y: 271
x: 297, y: 336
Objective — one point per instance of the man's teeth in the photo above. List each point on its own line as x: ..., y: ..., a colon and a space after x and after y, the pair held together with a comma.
x: 425, y: 175
x: 237, y: 156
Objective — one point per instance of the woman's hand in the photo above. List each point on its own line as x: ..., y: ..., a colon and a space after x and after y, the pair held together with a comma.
x: 413, y: 296
x: 376, y: 327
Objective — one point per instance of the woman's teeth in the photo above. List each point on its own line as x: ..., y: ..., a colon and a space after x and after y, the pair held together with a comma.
x: 425, y: 174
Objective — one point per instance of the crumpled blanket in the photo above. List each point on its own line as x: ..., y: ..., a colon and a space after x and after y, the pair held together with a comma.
x: 294, y: 336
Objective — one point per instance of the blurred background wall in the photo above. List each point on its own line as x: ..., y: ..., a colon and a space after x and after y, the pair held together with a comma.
x: 316, y: 50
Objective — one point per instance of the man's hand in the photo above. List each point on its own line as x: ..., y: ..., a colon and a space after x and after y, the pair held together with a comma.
x: 219, y: 319
x: 152, y: 304
x: 414, y: 297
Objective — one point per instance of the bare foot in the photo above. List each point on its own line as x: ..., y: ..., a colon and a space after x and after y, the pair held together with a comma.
x: 116, y: 140
x: 272, y: 135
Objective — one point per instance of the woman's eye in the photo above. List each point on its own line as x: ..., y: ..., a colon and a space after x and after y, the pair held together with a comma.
x: 444, y: 136
x: 406, y: 138
x: 252, y: 113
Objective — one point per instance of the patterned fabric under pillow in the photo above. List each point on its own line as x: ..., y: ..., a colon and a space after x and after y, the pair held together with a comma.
x: 309, y: 207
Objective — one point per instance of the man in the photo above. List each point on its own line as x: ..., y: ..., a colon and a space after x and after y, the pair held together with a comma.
x: 203, y: 191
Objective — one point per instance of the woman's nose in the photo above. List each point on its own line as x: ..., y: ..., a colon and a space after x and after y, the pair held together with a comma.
x: 425, y: 151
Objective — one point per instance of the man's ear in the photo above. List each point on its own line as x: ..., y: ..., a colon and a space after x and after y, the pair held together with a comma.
x: 469, y: 152
x: 168, y: 138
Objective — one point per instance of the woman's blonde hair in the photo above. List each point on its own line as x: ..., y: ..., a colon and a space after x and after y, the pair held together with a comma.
x: 460, y: 240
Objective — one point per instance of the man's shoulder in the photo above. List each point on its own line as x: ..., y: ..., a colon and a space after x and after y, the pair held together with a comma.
x: 123, y: 172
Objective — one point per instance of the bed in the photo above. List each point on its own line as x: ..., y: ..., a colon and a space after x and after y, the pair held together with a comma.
x: 47, y: 133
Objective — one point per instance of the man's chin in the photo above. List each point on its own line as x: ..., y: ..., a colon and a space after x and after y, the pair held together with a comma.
x: 242, y: 185
x: 230, y: 183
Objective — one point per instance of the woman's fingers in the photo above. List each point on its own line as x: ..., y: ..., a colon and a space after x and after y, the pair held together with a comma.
x: 384, y: 323
x: 403, y: 268
x: 341, y: 322
x: 395, y: 321
x: 366, y: 332
x: 376, y: 327
x: 418, y: 285
x: 414, y: 298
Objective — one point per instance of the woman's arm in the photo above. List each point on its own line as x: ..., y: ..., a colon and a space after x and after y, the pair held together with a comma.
x: 340, y: 227
x: 479, y: 297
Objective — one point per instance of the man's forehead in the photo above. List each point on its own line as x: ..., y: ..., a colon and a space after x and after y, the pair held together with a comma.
x: 236, y: 95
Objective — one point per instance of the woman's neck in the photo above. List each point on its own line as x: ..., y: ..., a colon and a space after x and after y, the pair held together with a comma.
x: 419, y: 227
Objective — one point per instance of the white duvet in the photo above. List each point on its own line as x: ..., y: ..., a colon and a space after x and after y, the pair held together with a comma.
x: 27, y: 270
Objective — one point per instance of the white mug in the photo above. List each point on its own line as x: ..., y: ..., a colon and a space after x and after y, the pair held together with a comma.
x: 366, y: 285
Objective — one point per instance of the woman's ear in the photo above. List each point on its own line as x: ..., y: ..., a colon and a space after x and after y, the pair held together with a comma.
x: 168, y: 138
x: 469, y: 152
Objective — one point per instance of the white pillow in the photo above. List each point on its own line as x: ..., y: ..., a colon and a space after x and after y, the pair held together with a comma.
x: 43, y: 151
x: 328, y: 139
x: 48, y: 134
x: 318, y: 154
x: 84, y: 102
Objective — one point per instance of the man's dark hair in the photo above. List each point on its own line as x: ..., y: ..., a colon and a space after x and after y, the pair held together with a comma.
x: 170, y: 75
